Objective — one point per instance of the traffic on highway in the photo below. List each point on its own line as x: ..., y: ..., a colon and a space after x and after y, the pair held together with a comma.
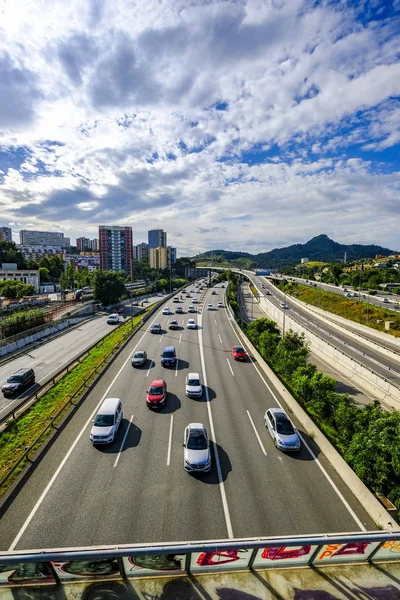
x: 196, y: 445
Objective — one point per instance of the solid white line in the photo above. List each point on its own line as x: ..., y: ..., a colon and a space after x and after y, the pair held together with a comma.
x: 256, y: 432
x: 170, y: 441
x: 217, y: 461
x: 176, y: 368
x: 342, y: 498
x: 66, y: 457
x: 123, y: 441
x: 220, y: 339
x: 229, y: 365
x: 148, y: 370
x: 180, y: 337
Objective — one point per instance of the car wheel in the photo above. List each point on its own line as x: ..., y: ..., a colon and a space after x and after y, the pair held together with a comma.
x: 275, y: 444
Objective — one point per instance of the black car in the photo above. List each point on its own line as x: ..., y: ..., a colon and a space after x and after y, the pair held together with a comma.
x: 168, y: 357
x: 155, y: 328
x: 21, y: 380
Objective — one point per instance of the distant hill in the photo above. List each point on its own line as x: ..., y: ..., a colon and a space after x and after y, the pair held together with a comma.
x: 319, y: 248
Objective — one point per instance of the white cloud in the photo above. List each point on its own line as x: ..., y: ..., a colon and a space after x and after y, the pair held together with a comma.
x: 114, y: 107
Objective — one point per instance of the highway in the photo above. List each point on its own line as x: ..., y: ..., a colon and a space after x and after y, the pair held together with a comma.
x: 48, y: 357
x: 136, y: 490
x: 372, y: 358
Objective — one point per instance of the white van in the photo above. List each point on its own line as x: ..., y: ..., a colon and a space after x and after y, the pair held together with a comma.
x: 107, y: 421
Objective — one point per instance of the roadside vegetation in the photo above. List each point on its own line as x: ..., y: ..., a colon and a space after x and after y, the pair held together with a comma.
x: 21, y: 321
x: 22, y: 432
x: 367, y: 437
x: 349, y: 308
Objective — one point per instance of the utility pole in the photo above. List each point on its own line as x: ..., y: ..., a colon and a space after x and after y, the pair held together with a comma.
x: 131, y: 294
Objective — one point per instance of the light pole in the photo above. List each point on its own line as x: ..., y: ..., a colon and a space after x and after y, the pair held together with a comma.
x: 131, y: 294
x: 170, y: 274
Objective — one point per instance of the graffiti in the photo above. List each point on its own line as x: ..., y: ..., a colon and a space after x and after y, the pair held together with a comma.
x: 285, y: 553
x: 157, y: 562
x: 87, y: 568
x: 332, y: 550
x: 393, y: 546
x: 220, y: 557
x: 25, y: 572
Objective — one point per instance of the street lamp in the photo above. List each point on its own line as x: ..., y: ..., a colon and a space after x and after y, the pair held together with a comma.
x: 131, y: 294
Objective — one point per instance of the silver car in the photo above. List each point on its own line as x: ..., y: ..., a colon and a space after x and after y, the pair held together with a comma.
x: 139, y: 358
x: 196, y: 454
x: 281, y: 429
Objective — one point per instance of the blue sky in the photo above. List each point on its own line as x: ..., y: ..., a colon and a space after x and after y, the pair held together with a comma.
x: 237, y: 124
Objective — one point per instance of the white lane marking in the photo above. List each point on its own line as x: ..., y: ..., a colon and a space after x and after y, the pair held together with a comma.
x: 123, y: 441
x: 215, y: 320
x: 152, y: 363
x: 342, y: 498
x: 180, y: 337
x: 218, y: 463
x: 183, y: 321
x: 220, y: 339
x: 66, y: 457
x: 256, y: 432
x: 168, y: 321
x: 229, y: 365
x: 170, y: 441
x: 176, y: 368
x: 161, y: 339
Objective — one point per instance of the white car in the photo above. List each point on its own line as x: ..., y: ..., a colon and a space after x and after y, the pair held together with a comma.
x: 210, y: 307
x: 283, y: 305
x: 166, y: 311
x: 191, y: 324
x: 196, y: 454
x: 220, y: 304
x: 113, y: 319
x: 193, y: 387
x: 282, y: 431
x: 191, y: 309
x: 195, y: 301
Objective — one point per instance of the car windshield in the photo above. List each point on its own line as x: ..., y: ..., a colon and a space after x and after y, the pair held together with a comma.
x: 138, y: 355
x: 104, y: 420
x: 194, y: 382
x: 239, y: 350
x: 197, y: 440
x: 168, y: 354
x: 284, y: 426
x: 14, y: 379
x: 156, y: 390
x: 156, y: 326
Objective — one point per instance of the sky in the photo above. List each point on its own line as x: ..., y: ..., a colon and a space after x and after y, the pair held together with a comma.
x: 231, y: 124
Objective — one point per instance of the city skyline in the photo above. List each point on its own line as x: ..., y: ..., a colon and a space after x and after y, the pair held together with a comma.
x: 244, y: 125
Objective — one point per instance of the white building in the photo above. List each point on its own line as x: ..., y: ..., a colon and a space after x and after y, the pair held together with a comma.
x: 43, y: 238
x: 9, y: 272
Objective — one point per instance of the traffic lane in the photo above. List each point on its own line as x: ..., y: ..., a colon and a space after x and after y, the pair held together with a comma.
x: 48, y: 357
x: 360, y: 352
x: 15, y: 513
x: 95, y: 490
x: 247, y: 393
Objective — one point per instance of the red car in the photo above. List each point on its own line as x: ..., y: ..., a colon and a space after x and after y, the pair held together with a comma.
x: 239, y: 353
x: 156, y: 394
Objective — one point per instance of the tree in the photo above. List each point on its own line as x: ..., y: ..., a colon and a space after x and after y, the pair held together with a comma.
x: 16, y: 289
x: 109, y: 287
x: 43, y: 274
x: 291, y: 353
x: 9, y: 253
x: 162, y: 284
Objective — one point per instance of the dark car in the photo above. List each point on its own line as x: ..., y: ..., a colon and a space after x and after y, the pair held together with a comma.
x: 17, y: 383
x: 168, y: 357
x: 173, y: 324
x: 139, y: 358
x: 155, y: 328
x: 179, y: 310
x: 239, y: 353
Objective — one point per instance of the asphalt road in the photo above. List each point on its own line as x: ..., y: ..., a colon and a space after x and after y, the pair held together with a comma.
x: 48, y: 357
x: 136, y: 490
x: 372, y: 358
x: 251, y: 310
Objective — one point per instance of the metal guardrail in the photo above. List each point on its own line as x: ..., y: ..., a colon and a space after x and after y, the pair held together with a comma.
x: 128, y: 561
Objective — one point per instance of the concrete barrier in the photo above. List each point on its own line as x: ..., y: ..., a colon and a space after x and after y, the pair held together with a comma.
x: 367, y: 500
x: 39, y: 335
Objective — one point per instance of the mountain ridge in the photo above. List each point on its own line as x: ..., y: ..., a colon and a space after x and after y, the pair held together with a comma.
x: 320, y: 248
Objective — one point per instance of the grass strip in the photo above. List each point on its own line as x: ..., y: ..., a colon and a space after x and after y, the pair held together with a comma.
x: 23, y: 431
x: 359, y: 312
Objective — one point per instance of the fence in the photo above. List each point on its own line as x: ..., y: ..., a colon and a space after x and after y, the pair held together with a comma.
x: 129, y: 561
